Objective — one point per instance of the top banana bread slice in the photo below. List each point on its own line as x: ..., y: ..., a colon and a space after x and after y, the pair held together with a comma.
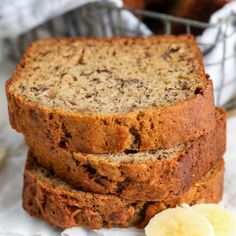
x: 112, y: 95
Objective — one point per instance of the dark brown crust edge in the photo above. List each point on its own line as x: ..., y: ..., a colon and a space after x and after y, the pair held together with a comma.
x: 63, y: 207
x: 158, y: 180
x: 140, y: 130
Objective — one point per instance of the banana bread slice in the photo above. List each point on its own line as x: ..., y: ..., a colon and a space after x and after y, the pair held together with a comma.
x: 111, y: 95
x: 159, y: 173
x: 54, y: 201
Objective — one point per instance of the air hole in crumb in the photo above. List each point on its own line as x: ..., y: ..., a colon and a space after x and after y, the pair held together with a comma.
x: 151, y: 124
x: 51, y: 169
x: 127, y: 151
x: 136, y: 136
x: 72, y: 208
x: 77, y: 163
x: 90, y: 169
x: 62, y: 143
x: 104, y: 122
x: 134, y: 204
x: 47, y: 175
x: 198, y: 91
x: 88, y: 95
x: 68, y: 135
x: 100, y: 180
x: 64, y: 196
x: 118, y: 122
x: 126, y: 43
x: 154, y: 151
x: 50, y: 116
x: 65, y: 131
x: 106, y: 143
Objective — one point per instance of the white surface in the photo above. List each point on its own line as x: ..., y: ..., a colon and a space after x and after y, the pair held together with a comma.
x: 14, y: 221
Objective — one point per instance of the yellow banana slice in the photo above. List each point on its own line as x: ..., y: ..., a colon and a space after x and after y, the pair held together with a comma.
x: 179, y: 222
x: 222, y: 220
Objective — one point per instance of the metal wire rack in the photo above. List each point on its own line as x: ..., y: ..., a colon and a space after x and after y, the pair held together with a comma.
x: 103, y: 19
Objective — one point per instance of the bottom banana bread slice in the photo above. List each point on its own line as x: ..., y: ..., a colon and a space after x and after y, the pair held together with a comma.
x: 54, y: 201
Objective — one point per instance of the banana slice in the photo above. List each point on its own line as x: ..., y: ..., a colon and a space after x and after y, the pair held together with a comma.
x: 222, y: 220
x: 179, y: 222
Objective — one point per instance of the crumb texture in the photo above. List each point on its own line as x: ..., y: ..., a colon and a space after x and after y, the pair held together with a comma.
x: 111, y: 76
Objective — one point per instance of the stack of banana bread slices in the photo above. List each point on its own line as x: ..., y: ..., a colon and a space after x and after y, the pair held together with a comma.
x: 118, y: 129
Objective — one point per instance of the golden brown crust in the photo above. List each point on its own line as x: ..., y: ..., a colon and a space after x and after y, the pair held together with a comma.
x: 140, y: 130
x: 158, y: 179
x: 59, y: 205
x: 201, y: 193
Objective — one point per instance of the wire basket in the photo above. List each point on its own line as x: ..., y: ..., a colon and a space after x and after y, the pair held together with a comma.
x: 103, y: 19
